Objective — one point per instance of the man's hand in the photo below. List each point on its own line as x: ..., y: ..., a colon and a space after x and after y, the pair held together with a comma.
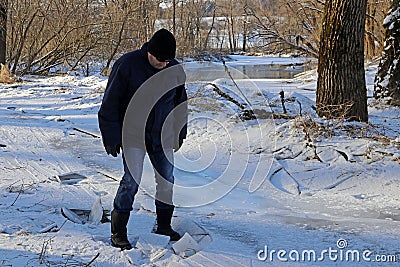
x: 113, y: 150
x: 178, y: 145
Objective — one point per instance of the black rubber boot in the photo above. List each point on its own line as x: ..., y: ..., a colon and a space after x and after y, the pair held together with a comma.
x: 119, y: 237
x: 164, y: 217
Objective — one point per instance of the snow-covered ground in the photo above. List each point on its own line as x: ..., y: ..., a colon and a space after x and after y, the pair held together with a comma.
x: 296, y: 190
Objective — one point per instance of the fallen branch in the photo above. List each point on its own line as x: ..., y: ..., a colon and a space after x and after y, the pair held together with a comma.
x: 247, y: 114
x: 19, y: 193
x: 95, y: 257
x: 282, y: 94
x: 233, y: 80
x: 108, y: 176
x: 82, y: 131
x: 300, y: 112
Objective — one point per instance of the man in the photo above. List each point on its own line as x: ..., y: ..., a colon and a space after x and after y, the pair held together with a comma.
x: 137, y: 92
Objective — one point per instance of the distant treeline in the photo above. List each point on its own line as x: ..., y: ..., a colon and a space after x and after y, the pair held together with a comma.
x: 47, y: 35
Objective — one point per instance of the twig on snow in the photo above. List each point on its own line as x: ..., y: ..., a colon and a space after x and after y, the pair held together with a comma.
x: 282, y: 94
x: 95, y: 257
x: 19, y: 193
x: 85, y: 132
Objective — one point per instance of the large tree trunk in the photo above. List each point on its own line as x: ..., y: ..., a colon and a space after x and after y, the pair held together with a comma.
x: 341, y: 87
x: 3, y: 30
x: 387, y: 80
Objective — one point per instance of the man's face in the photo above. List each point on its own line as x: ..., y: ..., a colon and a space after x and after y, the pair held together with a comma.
x: 156, y: 63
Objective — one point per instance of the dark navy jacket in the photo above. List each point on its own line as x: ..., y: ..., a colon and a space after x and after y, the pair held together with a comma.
x: 128, y: 74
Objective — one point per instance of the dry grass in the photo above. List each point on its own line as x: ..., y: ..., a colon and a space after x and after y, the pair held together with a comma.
x: 6, y: 76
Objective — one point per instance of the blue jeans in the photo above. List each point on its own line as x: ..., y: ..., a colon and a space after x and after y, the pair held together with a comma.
x: 163, y: 166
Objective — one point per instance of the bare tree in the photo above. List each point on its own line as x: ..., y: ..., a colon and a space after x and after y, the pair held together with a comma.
x: 3, y: 30
x: 211, y: 28
x: 47, y: 34
x: 115, y: 20
x: 387, y: 80
x: 288, y: 25
x: 341, y: 86
x: 67, y: 35
x: 374, y: 31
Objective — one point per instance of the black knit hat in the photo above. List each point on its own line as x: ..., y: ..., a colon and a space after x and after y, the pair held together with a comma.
x: 162, y: 45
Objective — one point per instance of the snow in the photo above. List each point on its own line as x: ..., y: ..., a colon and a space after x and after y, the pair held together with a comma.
x: 256, y: 187
x: 391, y: 17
